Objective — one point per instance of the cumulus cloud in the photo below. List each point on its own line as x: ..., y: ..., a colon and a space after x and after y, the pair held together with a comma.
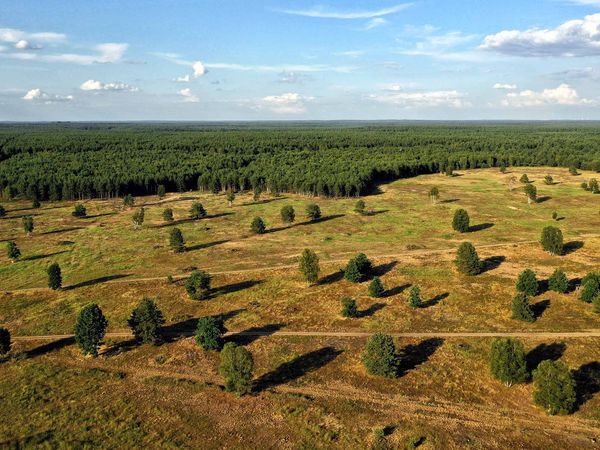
x: 93, y: 85
x: 26, y: 45
x: 37, y: 95
x: 505, y: 87
x: 288, y: 103
x: 574, y: 38
x: 562, y: 95
x: 323, y: 13
x: 199, y: 69
x: 188, y: 96
x: 183, y: 79
x: 452, y: 99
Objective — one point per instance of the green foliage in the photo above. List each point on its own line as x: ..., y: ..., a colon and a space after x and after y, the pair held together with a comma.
x: 79, y: 211
x: 128, y: 200
x: 584, y: 186
x: 414, y: 297
x: 313, y: 211
x: 552, y: 240
x: 197, y: 211
x: 161, y: 191
x: 145, y: 322
x: 590, y: 287
x: 27, y: 224
x: 460, y: 222
x: 548, y: 179
x: 209, y: 333
x: 376, y: 288
x: 359, y: 207
x: 573, y: 170
x: 467, y: 260
x: 358, y: 268
x: 527, y: 282
x: 309, y: 266
x: 554, y: 387
x: 198, y: 285
x: 236, y: 368
x: 558, y: 282
x: 138, y: 217
x: 12, y: 251
x: 593, y: 186
x: 349, y: 308
x: 230, y: 196
x: 380, y: 357
x: 5, y: 342
x: 507, y: 361
x: 90, y: 329
x: 35, y: 203
x: 434, y: 194
x: 167, y: 215
x: 176, y: 241
x: 288, y: 215
x: 521, y: 308
x: 54, y: 276
x: 596, y: 303
x: 524, y: 178
x: 531, y: 193
x: 258, y: 226
x: 554, y: 215
x: 256, y: 192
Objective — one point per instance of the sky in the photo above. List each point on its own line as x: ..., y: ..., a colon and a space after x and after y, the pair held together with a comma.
x: 116, y: 60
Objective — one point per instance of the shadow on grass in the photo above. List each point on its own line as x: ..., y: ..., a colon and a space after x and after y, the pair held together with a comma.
x: 20, y: 216
x: 332, y: 278
x: 587, y: 382
x: 48, y: 255
x: 574, y: 283
x: 303, y: 224
x: 480, y: 227
x: 296, y: 368
x: 191, y: 248
x: 376, y: 213
x: 435, y: 300
x: 572, y: 246
x: 250, y: 335
x: 414, y: 355
x: 49, y: 347
x: 187, y: 327
x: 539, y: 308
x: 262, y: 202
x: 382, y: 269
x: 100, y: 215
x: 95, y: 281
x: 396, y: 290
x: 191, y: 220
x: 235, y: 287
x: 121, y: 347
x: 542, y: 352
x: 64, y: 230
x: 449, y: 200
x: 491, y: 263
x: 543, y: 199
x: 371, y: 310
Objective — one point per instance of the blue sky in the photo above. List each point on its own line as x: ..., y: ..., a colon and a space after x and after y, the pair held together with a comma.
x: 299, y: 60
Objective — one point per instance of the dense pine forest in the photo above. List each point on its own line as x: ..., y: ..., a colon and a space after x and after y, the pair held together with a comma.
x: 69, y: 161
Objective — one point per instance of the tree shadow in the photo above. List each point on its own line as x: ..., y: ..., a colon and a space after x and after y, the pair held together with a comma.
x: 480, y: 227
x: 121, y: 347
x: 20, y: 216
x: 376, y: 213
x: 587, y: 382
x: 96, y: 281
x: 574, y: 283
x: 250, y: 335
x: 414, y: 355
x: 296, y: 368
x: 191, y: 248
x: 187, y: 327
x: 435, y: 300
x: 371, y: 310
x: 449, y: 200
x: 99, y: 215
x: 332, y: 278
x: 262, y: 202
x: 572, y: 246
x: 48, y: 255
x: 382, y: 269
x: 491, y: 263
x: 64, y: 230
x: 543, y: 199
x: 542, y: 352
x: 49, y: 347
x: 216, y: 216
x: 235, y: 287
x: 303, y: 224
x: 539, y: 308
x: 396, y: 290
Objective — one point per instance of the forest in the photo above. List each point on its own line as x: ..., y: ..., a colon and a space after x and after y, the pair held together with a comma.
x: 69, y: 161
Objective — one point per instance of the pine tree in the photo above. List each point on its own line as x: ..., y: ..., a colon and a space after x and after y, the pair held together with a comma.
x: 507, y: 361
x: 230, y: 197
x: 554, y: 387
x: 35, y: 203
x: 380, y: 356
x: 376, y: 288
x: 288, y: 215
x: 161, y: 191
x: 54, y: 276
x: 524, y: 179
x: 309, y: 266
x: 145, y: 322
x: 358, y: 268
x: 5, y: 342
x: 12, y: 251
x: 434, y: 194
x: 128, y: 200
x: 313, y: 211
x: 590, y: 287
x: 256, y: 193
x: 360, y: 207
x: 573, y: 170
x: 90, y: 329
x: 414, y: 297
x: 527, y: 282
x: 558, y: 282
x: 176, y: 241
x: 236, y: 368
x: 593, y: 186
x: 28, y: 224
x: 467, y: 261
x: 349, y: 308
x: 521, y: 308
x: 209, y: 333
x: 167, y: 215
x: 198, y: 285
x: 531, y: 193
x: 258, y: 226
x: 197, y: 211
x: 552, y: 240
x: 79, y: 211
x: 138, y: 217
x: 548, y: 179
x: 460, y: 222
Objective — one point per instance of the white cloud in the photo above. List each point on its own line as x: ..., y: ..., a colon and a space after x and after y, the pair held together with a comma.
x: 293, y: 77
x: 183, y: 79
x: 442, y: 46
x: 188, y: 96
x: 288, y: 103
x: 562, y: 95
x: 595, y: 3
x: 37, y: 95
x: 323, y: 13
x: 351, y: 53
x: 26, y: 45
x: 452, y: 99
x: 573, y: 38
x: 585, y: 73
x: 93, y: 85
x: 505, y: 87
x: 14, y: 36
x: 106, y: 54
x: 199, y: 69
x: 374, y: 23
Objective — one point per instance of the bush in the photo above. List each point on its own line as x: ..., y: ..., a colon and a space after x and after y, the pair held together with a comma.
x: 5, y: 342
x: 460, y: 222
x: 258, y: 226
x: 54, y: 276
x: 27, y: 224
x: 548, y: 179
x: 90, y: 329
x: 145, y: 322
x: 349, y: 308
x: 358, y: 268
x: 198, y: 285
x: 552, y: 240
x: 573, y: 170
x: 414, y: 297
x: 161, y: 191
x: 380, y: 356
x: 288, y: 215
x: 12, y: 251
x: 167, y: 215
x: 593, y: 186
x: 585, y: 186
x: 197, y: 211
x: 527, y: 282
x: 507, y: 361
x: 236, y: 367
x: 313, y: 211
x: 376, y: 288
x: 524, y: 178
x: 467, y: 261
x: 531, y: 193
x: 360, y: 207
x: 434, y: 194
x: 558, y: 282
x: 554, y: 387
x: 554, y: 215
x: 590, y: 287
x: 138, y: 217
x: 128, y: 200
x: 309, y: 266
x: 176, y: 241
x: 521, y: 308
x: 209, y: 333
x: 79, y: 211
x: 230, y: 197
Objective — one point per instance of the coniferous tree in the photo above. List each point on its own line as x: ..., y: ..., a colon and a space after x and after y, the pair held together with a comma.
x: 309, y: 266
x: 128, y: 200
x: 258, y: 226
x: 531, y: 193
x: 161, y: 191
x: 79, y: 211
x: 176, y: 241
x: 167, y: 215
x: 197, y: 211
x: 5, y: 342
x: 54, y: 276
x: 349, y: 308
x: 380, y: 356
x: 590, y: 287
x: 507, y: 361
x: 376, y: 288
x: 585, y: 186
x: 358, y: 268
x: 573, y: 170
x: 288, y: 215
x: 12, y: 251
x: 558, y: 282
x: 414, y: 297
x: 230, y: 197
x: 521, y: 308
x: 236, y: 368
x: 552, y: 240
x: 145, y: 322
x: 434, y: 194
x: 35, y: 203
x: 313, y: 211
x: 524, y: 179
x: 527, y: 282
x: 360, y: 207
x: 28, y: 224
x: 209, y: 333
x: 548, y: 179
x: 198, y: 285
x: 467, y: 261
x: 256, y: 193
x: 554, y: 387
x: 138, y: 218
x: 460, y: 222
x: 593, y: 186
x: 90, y: 329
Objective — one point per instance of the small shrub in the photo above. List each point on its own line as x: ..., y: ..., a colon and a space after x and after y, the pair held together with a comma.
x: 90, y: 329
x: 349, y: 308
x: 527, y: 282
x: 414, y: 297
x: 590, y: 287
x: 309, y: 266
x: 521, y: 308
x: 197, y: 211
x: 167, y: 215
x: 467, y: 260
x: 313, y: 211
x: 12, y: 251
x: 161, y: 191
x: 524, y: 179
x: 128, y: 200
x: 176, y: 241
x: 79, y: 211
x: 461, y: 220
x: 198, y: 285
x: 258, y: 226
x: 288, y: 215
x: 54, y: 276
x: 558, y: 282
x: 376, y: 288
x: 360, y: 207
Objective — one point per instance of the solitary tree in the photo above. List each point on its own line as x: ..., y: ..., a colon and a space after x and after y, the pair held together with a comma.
x: 309, y: 266
x: 521, y: 308
x: 590, y: 287
x: 145, y: 322
x: 209, y: 333
x: 128, y: 200
x: 434, y: 194
x: 256, y: 193
x: 376, y: 288
x: 552, y: 240
x: 5, y: 342
x: 313, y: 211
x: 197, y: 211
x: 161, y: 191
x: 573, y: 170
x: 230, y: 197
x: 358, y: 268
x: 12, y: 251
x: 460, y: 222
x: 167, y: 215
x: 507, y: 361
x: 79, y: 211
x: 531, y: 193
x: 502, y: 167
x: 176, y: 241
x: 414, y: 297
x: 548, y: 179
x: 198, y: 285
x: 554, y: 387
x: 258, y: 226
x: 512, y: 181
x: 360, y: 207
x: 288, y: 215
x: 524, y: 178
x: 28, y: 224
x: 593, y: 186
x: 527, y: 282
x: 584, y: 186
x: 35, y: 203
x: 90, y: 329
x: 236, y: 368
x: 54, y: 276
x: 349, y: 308
x: 467, y: 261
x: 138, y: 218
x: 558, y: 282
x: 380, y: 356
